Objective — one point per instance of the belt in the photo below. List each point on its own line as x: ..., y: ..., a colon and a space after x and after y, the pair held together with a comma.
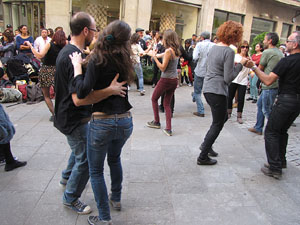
x: 296, y: 96
x: 100, y: 115
x: 85, y: 120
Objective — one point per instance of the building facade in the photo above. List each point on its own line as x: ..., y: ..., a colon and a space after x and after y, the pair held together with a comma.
x: 186, y: 17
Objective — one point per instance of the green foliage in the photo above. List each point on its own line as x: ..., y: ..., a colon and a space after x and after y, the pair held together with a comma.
x: 258, y: 39
x: 148, y: 74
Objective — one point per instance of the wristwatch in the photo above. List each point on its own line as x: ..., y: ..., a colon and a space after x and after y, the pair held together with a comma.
x: 253, y: 67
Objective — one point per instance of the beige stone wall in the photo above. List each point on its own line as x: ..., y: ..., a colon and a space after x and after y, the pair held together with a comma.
x: 58, y: 14
x: 137, y: 13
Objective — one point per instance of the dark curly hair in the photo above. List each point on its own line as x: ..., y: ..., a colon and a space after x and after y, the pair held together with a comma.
x: 113, y: 44
x: 230, y: 32
x: 9, y: 35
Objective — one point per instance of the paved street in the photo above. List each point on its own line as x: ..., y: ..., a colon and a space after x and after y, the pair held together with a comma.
x: 162, y: 182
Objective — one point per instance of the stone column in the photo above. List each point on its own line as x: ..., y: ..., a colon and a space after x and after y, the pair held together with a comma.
x: 137, y: 13
x: 58, y: 13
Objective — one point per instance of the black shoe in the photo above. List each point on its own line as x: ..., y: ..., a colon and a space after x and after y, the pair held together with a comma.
x: 249, y: 99
x: 212, y: 153
x: 270, y: 173
x: 14, y: 165
x: 207, y: 161
x: 254, y: 101
x: 267, y: 165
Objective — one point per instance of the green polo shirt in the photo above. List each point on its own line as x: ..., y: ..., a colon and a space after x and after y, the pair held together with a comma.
x: 269, y: 59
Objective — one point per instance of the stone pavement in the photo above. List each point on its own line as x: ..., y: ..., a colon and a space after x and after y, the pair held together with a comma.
x: 162, y: 182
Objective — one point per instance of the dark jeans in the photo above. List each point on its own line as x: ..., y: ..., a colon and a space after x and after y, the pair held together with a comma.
x: 155, y: 72
x: 5, y: 150
x: 167, y: 87
x: 284, y: 112
x: 241, y: 95
x: 218, y: 105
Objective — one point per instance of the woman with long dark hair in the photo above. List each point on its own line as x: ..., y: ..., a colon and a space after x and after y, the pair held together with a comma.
x: 111, y: 123
x: 221, y: 71
x: 49, y: 54
x: 253, y: 79
x: 21, y: 39
x: 168, y: 81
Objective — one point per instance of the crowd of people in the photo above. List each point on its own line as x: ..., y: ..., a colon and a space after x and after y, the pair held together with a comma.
x: 91, y: 73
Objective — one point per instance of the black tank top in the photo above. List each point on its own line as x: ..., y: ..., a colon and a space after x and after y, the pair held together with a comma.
x: 50, y: 57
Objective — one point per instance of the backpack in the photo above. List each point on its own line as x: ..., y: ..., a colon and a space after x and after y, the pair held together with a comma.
x: 34, y: 93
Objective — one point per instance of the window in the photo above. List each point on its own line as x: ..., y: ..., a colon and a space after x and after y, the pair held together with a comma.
x: 285, y: 32
x: 221, y: 16
x: 103, y: 11
x: 298, y: 28
x: 259, y: 26
x: 168, y: 15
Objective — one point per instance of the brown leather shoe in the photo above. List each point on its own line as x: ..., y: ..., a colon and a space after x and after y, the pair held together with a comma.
x: 198, y: 114
x: 253, y: 130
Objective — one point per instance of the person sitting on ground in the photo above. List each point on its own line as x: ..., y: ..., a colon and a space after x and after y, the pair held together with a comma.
x: 7, y: 132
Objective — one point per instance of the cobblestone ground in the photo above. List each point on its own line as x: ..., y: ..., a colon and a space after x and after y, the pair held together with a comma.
x: 249, y: 118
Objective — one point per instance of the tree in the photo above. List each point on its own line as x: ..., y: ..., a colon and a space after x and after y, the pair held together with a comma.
x: 259, y: 39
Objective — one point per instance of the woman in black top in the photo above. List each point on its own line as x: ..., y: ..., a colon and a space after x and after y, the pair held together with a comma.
x: 111, y: 123
x: 49, y: 54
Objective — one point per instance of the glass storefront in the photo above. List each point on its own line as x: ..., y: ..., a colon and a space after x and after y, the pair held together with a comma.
x: 29, y: 13
x: 285, y: 32
x: 179, y: 17
x: 221, y: 16
x: 261, y: 25
x: 103, y: 11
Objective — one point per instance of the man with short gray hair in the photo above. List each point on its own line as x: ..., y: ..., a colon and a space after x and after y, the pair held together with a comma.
x: 286, y: 107
x: 200, y: 53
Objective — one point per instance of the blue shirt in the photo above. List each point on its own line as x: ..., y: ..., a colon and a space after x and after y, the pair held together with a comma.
x: 20, y: 41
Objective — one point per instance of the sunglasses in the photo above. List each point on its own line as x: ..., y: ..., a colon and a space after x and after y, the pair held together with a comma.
x: 245, y: 46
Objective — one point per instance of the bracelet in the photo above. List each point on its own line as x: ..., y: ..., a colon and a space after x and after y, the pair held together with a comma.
x: 253, y: 67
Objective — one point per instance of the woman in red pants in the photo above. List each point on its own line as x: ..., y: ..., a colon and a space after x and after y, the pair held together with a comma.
x: 168, y: 81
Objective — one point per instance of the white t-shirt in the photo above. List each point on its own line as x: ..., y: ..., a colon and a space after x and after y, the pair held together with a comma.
x: 40, y: 43
x: 242, y: 77
x: 137, y: 50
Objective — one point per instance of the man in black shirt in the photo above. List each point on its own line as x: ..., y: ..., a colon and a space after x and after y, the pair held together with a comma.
x: 286, y: 108
x: 71, y: 120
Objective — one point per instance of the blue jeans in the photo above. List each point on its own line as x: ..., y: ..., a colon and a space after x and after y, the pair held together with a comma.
x: 107, y: 137
x: 139, y: 73
x: 198, y: 84
x: 264, y: 107
x: 253, y: 87
x: 79, y: 175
